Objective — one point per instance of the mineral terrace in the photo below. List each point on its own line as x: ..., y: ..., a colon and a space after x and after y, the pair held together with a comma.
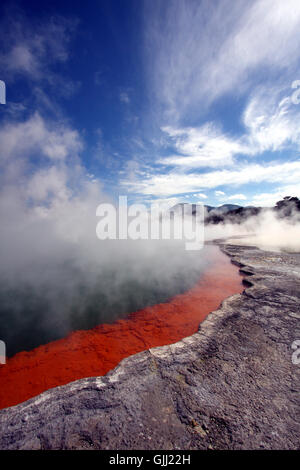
x: 232, y: 385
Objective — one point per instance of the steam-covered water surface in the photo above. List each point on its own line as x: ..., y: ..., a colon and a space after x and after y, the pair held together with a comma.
x: 51, y: 299
x: 93, y: 352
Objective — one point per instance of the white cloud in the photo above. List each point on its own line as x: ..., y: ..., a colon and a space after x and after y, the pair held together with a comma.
x: 270, y: 199
x: 237, y: 197
x: 49, y: 183
x: 39, y: 161
x: 21, y: 59
x: 266, y: 199
x: 179, y: 183
x: 164, y: 203
x: 201, y: 147
x: 54, y: 141
x: 271, y: 120
x: 202, y: 50
x: 30, y: 49
x: 271, y: 124
x: 124, y: 97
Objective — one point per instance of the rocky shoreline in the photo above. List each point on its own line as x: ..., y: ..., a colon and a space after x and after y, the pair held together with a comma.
x: 232, y: 385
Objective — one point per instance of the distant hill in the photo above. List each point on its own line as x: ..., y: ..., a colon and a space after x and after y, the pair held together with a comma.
x: 288, y: 207
x: 217, y: 210
x: 223, y: 209
x: 237, y: 215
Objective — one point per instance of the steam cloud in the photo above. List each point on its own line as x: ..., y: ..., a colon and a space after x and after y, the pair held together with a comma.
x: 268, y: 230
x: 55, y: 275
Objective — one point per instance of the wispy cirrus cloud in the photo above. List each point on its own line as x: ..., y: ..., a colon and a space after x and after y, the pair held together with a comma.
x: 31, y: 49
x: 198, y: 51
x: 270, y: 121
x: 201, y: 147
x: 124, y: 97
x: 271, y: 124
x: 31, y: 53
x: 270, y: 198
x: 237, y: 197
x: 202, y: 54
x: 173, y: 183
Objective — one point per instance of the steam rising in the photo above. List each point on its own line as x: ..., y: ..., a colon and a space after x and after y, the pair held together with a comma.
x: 55, y: 275
x: 268, y: 230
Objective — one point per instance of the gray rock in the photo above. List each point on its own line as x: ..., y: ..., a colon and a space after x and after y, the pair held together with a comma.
x: 232, y: 385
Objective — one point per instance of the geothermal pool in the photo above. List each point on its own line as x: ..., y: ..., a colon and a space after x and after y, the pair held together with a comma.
x: 93, y: 352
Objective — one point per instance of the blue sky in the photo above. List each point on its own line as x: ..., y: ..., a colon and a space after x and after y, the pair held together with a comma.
x: 180, y: 100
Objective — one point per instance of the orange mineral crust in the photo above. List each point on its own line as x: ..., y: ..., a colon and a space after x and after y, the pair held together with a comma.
x: 94, y: 352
